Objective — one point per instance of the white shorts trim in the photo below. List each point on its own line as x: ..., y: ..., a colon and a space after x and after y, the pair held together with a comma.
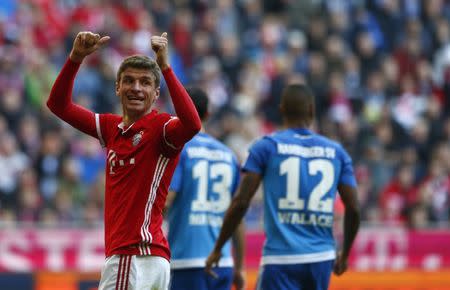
x: 298, y: 259
x: 198, y: 263
x: 131, y: 272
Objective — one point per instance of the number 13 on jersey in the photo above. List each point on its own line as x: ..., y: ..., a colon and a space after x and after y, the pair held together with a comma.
x: 220, y: 176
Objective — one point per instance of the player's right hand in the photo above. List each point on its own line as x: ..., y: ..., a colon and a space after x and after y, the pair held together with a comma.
x: 160, y: 45
x: 340, y: 264
x: 239, y: 280
x: 86, y: 43
x: 212, y: 261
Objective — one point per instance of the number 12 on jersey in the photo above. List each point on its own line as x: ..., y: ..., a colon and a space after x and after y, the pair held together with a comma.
x: 291, y: 167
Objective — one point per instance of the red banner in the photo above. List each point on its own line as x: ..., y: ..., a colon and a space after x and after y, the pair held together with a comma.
x: 375, y: 249
x: 27, y: 250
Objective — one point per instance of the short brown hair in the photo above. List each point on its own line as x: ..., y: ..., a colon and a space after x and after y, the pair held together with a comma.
x: 140, y: 62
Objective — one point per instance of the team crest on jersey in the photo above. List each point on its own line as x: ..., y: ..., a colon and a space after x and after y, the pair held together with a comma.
x: 137, y: 138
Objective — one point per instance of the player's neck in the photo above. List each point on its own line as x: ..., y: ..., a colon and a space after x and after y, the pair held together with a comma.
x: 297, y: 124
x: 129, y: 119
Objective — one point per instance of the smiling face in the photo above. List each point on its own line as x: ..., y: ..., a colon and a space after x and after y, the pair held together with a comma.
x: 137, y: 86
x: 137, y: 91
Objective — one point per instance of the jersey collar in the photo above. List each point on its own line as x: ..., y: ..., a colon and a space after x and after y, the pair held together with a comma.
x: 136, y: 125
x: 302, y: 131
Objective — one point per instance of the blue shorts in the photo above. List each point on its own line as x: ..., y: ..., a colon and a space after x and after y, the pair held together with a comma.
x: 198, y: 279
x: 311, y: 276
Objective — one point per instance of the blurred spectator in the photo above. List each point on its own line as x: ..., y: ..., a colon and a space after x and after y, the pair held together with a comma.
x: 340, y: 107
x: 407, y: 107
x: 28, y: 135
x: 13, y: 162
x: 12, y: 107
x: 397, y: 196
x: 367, y: 53
x: 374, y: 97
x: 317, y: 80
x: 29, y: 200
x: 418, y: 217
x: 49, y: 164
x: 434, y: 191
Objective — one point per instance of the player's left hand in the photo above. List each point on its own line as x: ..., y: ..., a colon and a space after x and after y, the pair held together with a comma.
x: 239, y: 280
x: 160, y: 47
x: 340, y: 264
x: 212, y: 261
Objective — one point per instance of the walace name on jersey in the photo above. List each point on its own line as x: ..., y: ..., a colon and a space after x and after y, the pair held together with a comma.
x: 311, y: 206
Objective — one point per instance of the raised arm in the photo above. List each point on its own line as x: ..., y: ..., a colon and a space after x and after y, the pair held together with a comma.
x: 238, y: 255
x: 60, y: 99
x: 181, y: 129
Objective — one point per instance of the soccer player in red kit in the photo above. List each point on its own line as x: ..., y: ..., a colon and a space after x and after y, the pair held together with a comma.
x: 143, y: 148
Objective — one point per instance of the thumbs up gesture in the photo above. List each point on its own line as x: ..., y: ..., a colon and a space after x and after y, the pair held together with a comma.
x: 160, y: 47
x: 86, y: 43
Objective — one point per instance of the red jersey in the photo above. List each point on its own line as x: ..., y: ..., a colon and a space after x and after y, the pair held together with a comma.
x: 140, y: 162
x: 140, y: 165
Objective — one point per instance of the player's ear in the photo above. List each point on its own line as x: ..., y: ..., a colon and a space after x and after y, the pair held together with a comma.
x: 117, y: 87
x: 157, y: 92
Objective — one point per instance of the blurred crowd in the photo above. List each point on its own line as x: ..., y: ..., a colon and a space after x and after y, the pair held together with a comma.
x: 380, y: 71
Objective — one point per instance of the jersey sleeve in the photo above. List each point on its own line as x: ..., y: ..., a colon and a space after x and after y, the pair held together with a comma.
x: 168, y: 148
x: 179, y: 130
x: 60, y: 101
x: 258, y: 156
x: 237, y: 175
x: 347, y: 174
x: 103, y: 125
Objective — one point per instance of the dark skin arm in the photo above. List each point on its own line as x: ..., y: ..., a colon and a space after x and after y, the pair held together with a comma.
x: 351, y: 225
x: 239, y: 252
x: 234, y: 215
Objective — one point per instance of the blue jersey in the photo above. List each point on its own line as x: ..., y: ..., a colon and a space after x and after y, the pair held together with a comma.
x: 204, y: 181
x: 301, y: 171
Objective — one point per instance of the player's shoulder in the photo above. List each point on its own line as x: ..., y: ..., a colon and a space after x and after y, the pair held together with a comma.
x: 272, y: 138
x: 156, y: 119
x: 326, y: 141
x: 210, y: 142
x: 265, y: 143
x: 205, y: 146
x: 111, y: 118
x: 161, y: 116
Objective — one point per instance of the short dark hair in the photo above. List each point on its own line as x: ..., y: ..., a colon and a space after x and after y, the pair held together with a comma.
x: 140, y: 62
x: 296, y: 101
x: 200, y: 100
